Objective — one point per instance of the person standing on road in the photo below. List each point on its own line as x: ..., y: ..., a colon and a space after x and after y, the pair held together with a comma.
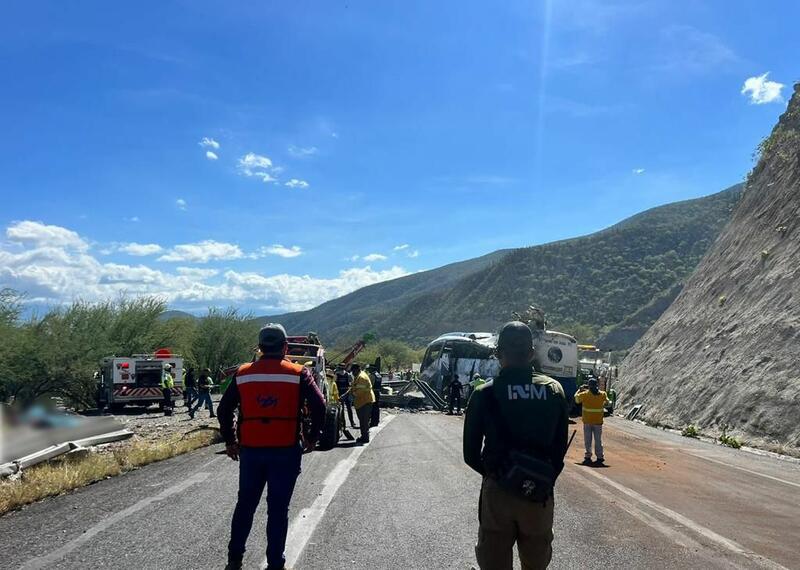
x: 455, y: 390
x: 269, y: 394
x: 363, y: 398
x: 377, y: 382
x: 516, y: 423
x: 204, y: 385
x: 593, y: 401
x: 167, y: 384
x: 343, y: 382
x: 190, y: 388
x: 473, y: 385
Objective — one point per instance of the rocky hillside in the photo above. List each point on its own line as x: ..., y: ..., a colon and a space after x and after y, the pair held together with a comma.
x: 725, y: 352
x: 587, y: 285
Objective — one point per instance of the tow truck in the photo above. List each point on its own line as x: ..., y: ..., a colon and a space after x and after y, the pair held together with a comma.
x: 136, y: 380
x: 307, y: 350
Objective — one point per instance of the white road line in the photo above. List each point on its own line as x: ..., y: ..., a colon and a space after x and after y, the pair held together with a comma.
x: 688, y: 523
x: 745, y: 469
x: 678, y: 537
x: 306, y: 521
x: 52, y: 558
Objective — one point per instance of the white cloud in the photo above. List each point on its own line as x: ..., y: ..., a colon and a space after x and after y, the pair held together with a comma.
x: 197, y: 272
x: 58, y: 271
x: 209, y: 143
x: 251, y: 161
x: 355, y: 257
x: 265, y: 176
x: 211, y: 155
x: 375, y: 257
x: 302, y: 152
x: 258, y: 166
x: 141, y: 249
x: 638, y: 171
x: 761, y: 90
x: 401, y: 247
x: 295, y: 183
x: 181, y: 204
x: 42, y: 235
x: 414, y: 253
x: 281, y: 251
x: 297, y: 293
x: 203, y: 252
x: 134, y: 219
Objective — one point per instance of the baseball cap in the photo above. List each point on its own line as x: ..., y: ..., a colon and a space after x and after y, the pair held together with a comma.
x: 515, y: 336
x: 272, y: 335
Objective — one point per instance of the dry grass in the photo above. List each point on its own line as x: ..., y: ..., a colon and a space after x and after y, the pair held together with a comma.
x: 60, y: 476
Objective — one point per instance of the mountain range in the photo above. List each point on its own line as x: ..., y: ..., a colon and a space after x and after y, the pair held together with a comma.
x: 605, y: 287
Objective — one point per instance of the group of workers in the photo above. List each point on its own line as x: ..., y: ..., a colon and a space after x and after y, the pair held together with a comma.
x: 359, y: 389
x: 197, y: 391
x: 515, y: 437
x: 457, y: 392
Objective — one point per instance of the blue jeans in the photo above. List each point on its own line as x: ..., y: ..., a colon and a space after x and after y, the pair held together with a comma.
x: 204, y: 398
x: 190, y: 395
x: 277, y: 468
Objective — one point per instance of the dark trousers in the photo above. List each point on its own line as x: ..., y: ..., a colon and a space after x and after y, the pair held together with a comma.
x: 348, y: 403
x: 455, y: 400
x: 166, y: 393
x: 277, y: 468
x: 364, y: 419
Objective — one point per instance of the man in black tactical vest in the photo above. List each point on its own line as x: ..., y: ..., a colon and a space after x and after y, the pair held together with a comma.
x: 515, y: 436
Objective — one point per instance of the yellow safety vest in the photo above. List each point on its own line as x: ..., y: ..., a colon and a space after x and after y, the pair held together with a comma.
x: 593, y: 411
x: 167, y: 381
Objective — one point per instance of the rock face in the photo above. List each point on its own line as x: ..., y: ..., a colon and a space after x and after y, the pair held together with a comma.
x: 727, y: 351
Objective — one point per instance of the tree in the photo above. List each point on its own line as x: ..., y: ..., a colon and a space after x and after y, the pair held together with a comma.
x: 223, y: 338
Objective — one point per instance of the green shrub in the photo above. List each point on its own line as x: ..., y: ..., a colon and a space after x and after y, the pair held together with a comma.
x: 729, y: 440
x: 690, y: 431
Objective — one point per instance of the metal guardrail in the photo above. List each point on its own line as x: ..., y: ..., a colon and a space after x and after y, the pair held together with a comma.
x: 52, y: 451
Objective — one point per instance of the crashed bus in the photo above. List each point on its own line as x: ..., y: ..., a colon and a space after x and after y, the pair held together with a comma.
x: 466, y: 354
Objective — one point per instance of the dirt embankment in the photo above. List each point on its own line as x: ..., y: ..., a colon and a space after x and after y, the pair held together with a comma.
x: 726, y: 351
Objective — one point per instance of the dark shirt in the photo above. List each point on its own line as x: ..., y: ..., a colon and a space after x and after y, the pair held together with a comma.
x: 309, y: 393
x: 534, y: 409
x: 204, y: 384
x: 190, y: 381
x: 377, y: 382
x: 343, y: 382
x: 455, y: 389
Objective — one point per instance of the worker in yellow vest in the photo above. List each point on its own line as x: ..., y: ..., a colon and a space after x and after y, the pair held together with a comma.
x: 363, y: 400
x: 593, y: 401
x: 167, y: 384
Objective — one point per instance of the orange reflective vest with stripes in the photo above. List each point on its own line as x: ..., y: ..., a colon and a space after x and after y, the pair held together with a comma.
x: 269, y: 393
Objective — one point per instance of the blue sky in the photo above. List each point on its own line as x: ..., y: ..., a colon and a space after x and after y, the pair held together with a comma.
x: 274, y: 155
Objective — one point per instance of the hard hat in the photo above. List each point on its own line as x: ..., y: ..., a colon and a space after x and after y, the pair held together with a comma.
x: 309, y: 363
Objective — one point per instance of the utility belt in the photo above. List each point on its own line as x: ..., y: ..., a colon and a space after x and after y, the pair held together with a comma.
x: 527, y: 476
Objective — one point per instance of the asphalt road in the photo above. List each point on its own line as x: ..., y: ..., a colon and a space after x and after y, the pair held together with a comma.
x: 407, y: 501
